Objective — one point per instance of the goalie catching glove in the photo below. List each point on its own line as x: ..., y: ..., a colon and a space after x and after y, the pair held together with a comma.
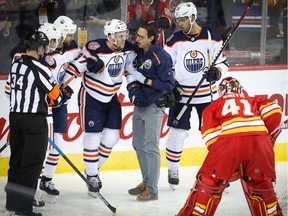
x: 136, y: 95
x: 95, y: 64
x: 212, y: 74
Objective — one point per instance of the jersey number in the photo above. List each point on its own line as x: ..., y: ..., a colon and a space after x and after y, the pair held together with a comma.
x: 17, y: 83
x: 230, y: 106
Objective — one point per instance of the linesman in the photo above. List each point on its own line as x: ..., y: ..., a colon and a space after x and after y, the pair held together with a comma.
x: 30, y: 87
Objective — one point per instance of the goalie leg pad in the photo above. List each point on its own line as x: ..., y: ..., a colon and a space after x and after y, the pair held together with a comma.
x: 204, y: 197
x: 261, y: 198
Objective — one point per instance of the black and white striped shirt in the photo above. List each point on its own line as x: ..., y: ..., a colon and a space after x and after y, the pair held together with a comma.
x: 28, y: 85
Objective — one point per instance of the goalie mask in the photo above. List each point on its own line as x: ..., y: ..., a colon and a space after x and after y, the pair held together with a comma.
x: 53, y: 33
x: 229, y: 85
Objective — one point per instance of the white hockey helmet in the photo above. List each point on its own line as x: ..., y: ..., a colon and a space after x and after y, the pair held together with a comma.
x: 113, y: 26
x: 66, y: 25
x: 52, y: 32
x: 186, y: 9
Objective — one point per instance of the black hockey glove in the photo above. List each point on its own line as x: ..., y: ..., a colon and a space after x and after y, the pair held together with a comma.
x: 167, y: 100
x: 177, y: 91
x: 212, y: 74
x: 95, y: 64
x: 66, y: 93
x: 136, y: 96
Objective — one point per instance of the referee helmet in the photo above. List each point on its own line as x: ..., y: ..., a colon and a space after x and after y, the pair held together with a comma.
x: 35, y: 39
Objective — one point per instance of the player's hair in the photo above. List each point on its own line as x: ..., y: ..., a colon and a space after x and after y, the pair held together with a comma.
x: 151, y: 31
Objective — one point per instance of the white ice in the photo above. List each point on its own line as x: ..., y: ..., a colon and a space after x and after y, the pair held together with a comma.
x: 74, y: 200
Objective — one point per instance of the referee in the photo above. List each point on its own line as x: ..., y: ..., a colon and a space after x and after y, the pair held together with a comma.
x: 30, y: 88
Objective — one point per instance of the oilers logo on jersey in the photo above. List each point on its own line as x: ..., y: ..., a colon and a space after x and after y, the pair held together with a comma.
x: 115, y: 65
x: 194, y: 61
x: 61, y: 73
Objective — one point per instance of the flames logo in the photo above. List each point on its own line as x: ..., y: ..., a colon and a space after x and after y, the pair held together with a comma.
x: 115, y: 65
x: 194, y: 61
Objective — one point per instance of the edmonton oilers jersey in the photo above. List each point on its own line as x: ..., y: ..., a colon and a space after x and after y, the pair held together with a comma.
x: 191, y: 55
x: 63, y: 58
x: 104, y: 85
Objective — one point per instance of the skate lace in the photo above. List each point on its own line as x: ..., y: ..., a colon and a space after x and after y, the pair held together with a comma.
x: 50, y: 185
x: 94, y: 181
x: 173, y: 174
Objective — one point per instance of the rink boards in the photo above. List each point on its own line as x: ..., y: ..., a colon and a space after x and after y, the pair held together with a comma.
x: 271, y: 83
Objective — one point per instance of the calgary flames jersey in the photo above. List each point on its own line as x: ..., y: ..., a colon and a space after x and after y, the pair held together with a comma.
x: 239, y: 115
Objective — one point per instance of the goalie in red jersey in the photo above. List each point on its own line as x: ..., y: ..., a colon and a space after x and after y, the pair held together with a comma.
x: 236, y: 130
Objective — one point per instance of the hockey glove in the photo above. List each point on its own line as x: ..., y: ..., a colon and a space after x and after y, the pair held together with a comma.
x: 136, y: 95
x: 178, y: 91
x: 95, y: 64
x: 138, y: 76
x: 212, y: 74
x: 66, y: 93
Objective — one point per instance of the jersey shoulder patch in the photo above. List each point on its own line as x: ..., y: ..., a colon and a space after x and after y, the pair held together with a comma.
x: 48, y: 61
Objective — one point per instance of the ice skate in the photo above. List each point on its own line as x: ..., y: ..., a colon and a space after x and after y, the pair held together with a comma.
x: 38, y: 203
x: 173, y: 179
x: 51, y: 193
x: 95, y: 185
x: 10, y: 213
x: 48, y: 186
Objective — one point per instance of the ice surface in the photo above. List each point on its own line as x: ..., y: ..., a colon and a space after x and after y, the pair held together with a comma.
x: 74, y: 200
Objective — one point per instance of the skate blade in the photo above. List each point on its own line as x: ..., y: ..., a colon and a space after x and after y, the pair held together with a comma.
x: 38, y: 209
x: 50, y: 198
x: 92, y: 194
x: 10, y: 213
x: 172, y: 187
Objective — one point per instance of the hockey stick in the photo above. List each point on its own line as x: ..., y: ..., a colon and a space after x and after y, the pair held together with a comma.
x: 283, y: 125
x: 277, y: 131
x: 4, y: 146
x: 67, y: 82
x: 224, y: 45
x: 113, y: 209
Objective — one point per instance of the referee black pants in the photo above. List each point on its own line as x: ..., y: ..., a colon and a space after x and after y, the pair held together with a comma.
x: 28, y: 144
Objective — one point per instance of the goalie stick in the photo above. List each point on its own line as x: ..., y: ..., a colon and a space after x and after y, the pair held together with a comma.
x: 113, y: 209
x: 4, y: 146
x: 224, y: 45
x: 277, y: 131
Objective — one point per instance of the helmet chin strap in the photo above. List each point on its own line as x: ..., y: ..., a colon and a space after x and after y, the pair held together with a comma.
x: 191, y: 25
x: 113, y: 42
